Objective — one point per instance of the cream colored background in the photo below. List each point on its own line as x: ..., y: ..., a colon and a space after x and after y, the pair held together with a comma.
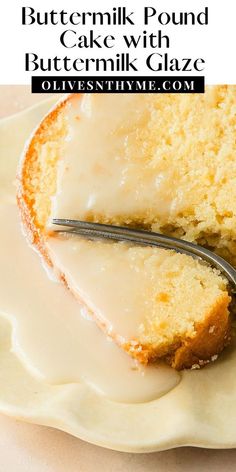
x: 30, y: 448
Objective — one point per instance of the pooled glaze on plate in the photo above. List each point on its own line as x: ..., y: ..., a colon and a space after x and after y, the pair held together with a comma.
x: 55, y: 335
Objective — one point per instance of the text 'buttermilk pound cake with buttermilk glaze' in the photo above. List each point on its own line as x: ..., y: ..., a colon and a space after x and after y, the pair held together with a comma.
x: 163, y: 163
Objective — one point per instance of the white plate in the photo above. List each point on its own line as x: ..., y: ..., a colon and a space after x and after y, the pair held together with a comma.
x: 200, y: 411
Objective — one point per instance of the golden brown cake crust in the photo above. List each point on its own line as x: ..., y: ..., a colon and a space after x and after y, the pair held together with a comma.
x: 210, y: 339
x: 211, y: 336
x: 24, y: 203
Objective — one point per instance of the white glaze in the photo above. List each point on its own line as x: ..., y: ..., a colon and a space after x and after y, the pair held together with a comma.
x: 96, y: 172
x: 54, y: 335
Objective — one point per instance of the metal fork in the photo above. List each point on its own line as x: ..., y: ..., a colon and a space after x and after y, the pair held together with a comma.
x: 147, y: 238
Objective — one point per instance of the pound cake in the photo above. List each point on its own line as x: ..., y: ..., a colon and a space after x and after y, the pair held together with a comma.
x: 159, y: 162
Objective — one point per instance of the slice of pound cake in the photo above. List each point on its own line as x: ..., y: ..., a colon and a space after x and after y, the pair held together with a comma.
x: 157, y: 162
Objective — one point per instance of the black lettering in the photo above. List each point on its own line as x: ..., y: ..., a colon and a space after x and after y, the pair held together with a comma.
x: 108, y: 39
x: 148, y: 13
x: 186, y: 64
x: 78, y: 64
x: 66, y: 63
x: 204, y: 20
x: 130, y: 64
x: 94, y: 41
x: 31, y: 58
x: 174, y: 64
x: 53, y: 15
x: 73, y: 16
x: 150, y: 62
x: 27, y: 12
x: 127, y: 19
x: 83, y: 42
x: 164, y: 18
x: 56, y: 61
x: 89, y: 41
x: 161, y: 38
x: 64, y: 39
x: 200, y: 61
x: 132, y: 41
